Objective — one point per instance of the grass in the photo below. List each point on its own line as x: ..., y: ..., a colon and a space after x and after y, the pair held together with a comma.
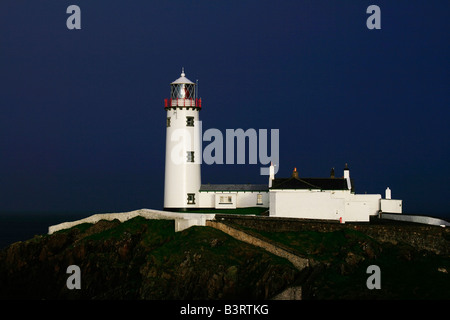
x: 406, y: 273
x: 154, y: 231
x: 321, y: 246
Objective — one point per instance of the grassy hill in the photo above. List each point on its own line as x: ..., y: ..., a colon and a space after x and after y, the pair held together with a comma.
x: 406, y: 273
x: 142, y: 259
x: 146, y: 259
x: 414, y: 260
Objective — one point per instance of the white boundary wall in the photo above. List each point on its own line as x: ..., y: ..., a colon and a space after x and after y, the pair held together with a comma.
x: 182, y: 220
x: 416, y: 219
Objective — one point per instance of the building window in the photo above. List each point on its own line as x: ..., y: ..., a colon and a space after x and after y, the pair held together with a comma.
x: 189, y: 121
x: 259, y: 199
x: 226, y: 200
x: 190, y: 156
x: 191, y: 198
x: 168, y: 122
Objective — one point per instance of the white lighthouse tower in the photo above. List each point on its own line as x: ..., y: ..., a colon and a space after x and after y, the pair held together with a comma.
x: 183, y: 146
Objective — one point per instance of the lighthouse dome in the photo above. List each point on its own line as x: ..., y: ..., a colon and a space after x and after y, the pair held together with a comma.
x: 182, y: 79
x: 183, y: 88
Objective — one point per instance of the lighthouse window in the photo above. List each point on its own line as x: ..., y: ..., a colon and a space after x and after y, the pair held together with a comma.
x: 226, y: 200
x: 189, y: 121
x: 190, y: 156
x: 168, y: 121
x: 259, y: 199
x: 191, y: 198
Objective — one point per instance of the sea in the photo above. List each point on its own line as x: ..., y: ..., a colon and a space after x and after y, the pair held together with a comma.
x: 21, y: 226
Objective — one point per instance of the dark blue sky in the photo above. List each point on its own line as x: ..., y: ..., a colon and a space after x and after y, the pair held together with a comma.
x: 82, y: 123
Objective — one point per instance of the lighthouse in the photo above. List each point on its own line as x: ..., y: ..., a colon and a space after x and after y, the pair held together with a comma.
x: 183, y: 146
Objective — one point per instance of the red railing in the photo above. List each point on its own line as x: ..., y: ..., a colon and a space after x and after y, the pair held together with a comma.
x: 182, y: 103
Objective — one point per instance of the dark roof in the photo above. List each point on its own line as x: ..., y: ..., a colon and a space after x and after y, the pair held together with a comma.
x: 292, y: 183
x: 310, y: 183
x: 234, y: 187
x: 329, y: 183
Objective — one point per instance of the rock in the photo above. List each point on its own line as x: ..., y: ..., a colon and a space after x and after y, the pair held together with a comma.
x: 353, y: 259
x: 291, y: 293
x: 369, y: 250
x: 141, y: 259
x: 215, y: 243
x: 145, y: 259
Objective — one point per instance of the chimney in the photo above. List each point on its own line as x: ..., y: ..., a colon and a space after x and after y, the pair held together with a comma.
x: 295, y: 173
x: 332, y: 173
x: 347, y: 177
x: 388, y: 193
x: 271, y: 174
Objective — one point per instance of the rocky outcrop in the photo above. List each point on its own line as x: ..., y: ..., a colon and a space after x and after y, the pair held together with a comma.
x: 421, y: 237
x: 291, y: 293
x: 299, y: 262
x: 141, y: 259
x: 252, y: 258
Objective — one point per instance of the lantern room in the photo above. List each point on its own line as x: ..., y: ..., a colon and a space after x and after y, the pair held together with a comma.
x: 182, y: 93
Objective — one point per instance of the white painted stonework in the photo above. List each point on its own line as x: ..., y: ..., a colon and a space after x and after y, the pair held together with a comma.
x: 391, y: 205
x: 182, y: 177
x: 182, y: 220
x: 329, y: 205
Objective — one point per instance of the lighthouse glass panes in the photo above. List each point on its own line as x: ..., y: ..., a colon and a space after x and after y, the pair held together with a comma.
x: 182, y: 91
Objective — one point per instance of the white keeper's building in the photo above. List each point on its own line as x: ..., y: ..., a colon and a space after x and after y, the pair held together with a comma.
x: 327, y: 198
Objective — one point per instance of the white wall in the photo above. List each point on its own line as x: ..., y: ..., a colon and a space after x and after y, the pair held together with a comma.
x: 416, y: 219
x: 182, y: 220
x: 356, y: 211
x: 305, y: 204
x: 250, y: 198
x: 182, y: 177
x: 328, y: 205
x: 372, y: 201
x: 392, y: 206
x: 240, y: 199
x: 207, y: 199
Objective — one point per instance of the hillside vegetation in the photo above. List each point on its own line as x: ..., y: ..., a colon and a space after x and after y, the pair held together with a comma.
x: 146, y: 259
x: 141, y: 259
